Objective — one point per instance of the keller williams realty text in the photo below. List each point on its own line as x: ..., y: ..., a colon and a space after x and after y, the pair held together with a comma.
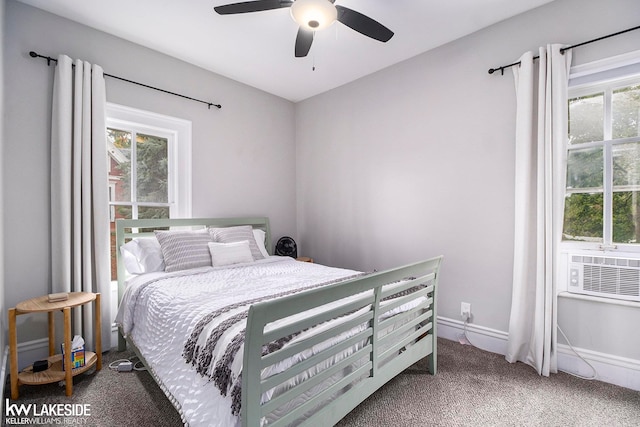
x: 47, y: 409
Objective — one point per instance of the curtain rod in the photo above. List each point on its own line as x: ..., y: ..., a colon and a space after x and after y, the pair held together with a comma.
x: 209, y: 104
x: 503, y: 67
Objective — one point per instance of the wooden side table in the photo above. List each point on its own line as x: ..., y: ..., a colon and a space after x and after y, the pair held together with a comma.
x: 55, y: 372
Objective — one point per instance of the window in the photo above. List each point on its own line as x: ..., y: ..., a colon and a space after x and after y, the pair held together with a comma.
x: 602, y: 204
x: 149, y: 159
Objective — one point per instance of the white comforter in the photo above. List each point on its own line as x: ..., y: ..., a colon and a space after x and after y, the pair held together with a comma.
x: 159, y: 310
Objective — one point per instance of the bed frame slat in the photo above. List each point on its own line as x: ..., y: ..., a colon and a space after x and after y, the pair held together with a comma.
x: 406, y: 314
x: 308, y: 322
x: 397, y: 302
x: 406, y: 284
x: 322, y: 396
x: 412, y: 324
x: 278, y: 379
x: 297, y: 347
x: 300, y: 388
x: 405, y: 342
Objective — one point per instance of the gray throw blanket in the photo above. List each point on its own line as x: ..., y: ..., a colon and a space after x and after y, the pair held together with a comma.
x: 202, y: 357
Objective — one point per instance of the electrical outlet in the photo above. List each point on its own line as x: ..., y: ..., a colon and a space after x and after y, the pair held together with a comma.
x: 465, y: 310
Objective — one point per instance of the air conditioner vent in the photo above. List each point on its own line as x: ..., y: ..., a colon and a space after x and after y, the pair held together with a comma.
x: 609, y: 277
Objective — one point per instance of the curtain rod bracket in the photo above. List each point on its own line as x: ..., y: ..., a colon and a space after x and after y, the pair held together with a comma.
x: 209, y: 104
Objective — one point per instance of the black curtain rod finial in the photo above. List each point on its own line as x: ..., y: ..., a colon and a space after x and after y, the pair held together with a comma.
x: 493, y: 70
x: 48, y: 58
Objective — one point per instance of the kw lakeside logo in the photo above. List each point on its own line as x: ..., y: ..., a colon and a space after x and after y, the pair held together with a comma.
x: 46, y: 413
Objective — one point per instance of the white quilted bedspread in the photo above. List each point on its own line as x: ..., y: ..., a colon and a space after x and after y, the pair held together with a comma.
x: 159, y: 310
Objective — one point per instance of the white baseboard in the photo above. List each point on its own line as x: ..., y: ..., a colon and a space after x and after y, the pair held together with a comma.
x: 484, y: 338
x: 611, y: 369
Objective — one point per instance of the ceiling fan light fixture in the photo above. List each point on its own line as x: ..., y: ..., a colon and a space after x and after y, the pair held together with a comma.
x: 313, y: 15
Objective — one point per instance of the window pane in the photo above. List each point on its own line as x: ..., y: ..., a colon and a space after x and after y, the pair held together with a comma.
x: 626, y: 165
x: 585, y: 168
x: 626, y: 187
x: 586, y: 118
x: 152, y: 168
x: 583, y: 217
x: 626, y: 216
x: 119, y: 152
x: 153, y: 212
x: 626, y: 112
x: 116, y: 212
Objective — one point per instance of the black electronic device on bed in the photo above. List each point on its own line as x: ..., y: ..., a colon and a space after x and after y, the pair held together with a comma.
x: 286, y: 246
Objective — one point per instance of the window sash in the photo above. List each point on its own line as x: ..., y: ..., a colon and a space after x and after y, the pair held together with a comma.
x: 608, y: 145
x: 178, y: 133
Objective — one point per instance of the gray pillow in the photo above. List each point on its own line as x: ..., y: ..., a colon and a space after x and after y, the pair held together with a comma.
x: 237, y: 234
x: 185, y: 249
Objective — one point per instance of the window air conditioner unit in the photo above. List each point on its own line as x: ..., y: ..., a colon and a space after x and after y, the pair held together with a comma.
x: 605, y: 276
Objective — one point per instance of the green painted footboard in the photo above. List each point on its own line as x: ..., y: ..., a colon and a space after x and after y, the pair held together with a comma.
x: 382, y: 354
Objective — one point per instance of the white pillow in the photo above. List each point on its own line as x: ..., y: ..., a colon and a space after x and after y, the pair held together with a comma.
x: 230, y: 253
x: 260, y: 235
x: 142, y: 255
x: 183, y: 250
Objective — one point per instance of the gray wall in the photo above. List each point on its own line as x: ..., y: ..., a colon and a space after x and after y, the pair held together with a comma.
x: 3, y: 315
x: 243, y: 154
x: 411, y: 162
x: 417, y: 160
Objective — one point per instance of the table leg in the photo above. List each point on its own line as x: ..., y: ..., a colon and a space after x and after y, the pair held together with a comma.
x: 98, y: 330
x: 13, y: 347
x: 52, y: 336
x: 68, y: 369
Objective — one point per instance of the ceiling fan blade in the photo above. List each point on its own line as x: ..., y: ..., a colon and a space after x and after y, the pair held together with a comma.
x: 303, y: 42
x: 363, y: 24
x: 251, y: 6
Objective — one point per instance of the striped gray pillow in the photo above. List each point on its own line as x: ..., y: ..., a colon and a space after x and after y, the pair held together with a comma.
x: 184, y: 249
x: 237, y: 234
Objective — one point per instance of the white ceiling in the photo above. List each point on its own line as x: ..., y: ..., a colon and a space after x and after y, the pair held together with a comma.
x: 257, y: 48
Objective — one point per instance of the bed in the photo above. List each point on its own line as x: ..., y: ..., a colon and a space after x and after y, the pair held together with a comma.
x: 265, y: 340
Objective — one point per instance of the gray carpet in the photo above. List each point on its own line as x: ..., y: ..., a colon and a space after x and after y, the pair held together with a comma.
x: 472, y: 388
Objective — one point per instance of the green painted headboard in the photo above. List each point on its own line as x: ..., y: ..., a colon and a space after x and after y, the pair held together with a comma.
x: 127, y: 229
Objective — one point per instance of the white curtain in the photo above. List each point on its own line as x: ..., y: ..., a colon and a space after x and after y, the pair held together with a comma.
x: 79, y: 192
x: 541, y: 150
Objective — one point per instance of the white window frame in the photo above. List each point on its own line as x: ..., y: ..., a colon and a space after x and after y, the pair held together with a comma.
x: 178, y: 133
x: 605, y: 76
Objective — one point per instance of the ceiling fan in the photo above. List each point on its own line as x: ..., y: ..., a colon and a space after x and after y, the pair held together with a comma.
x: 311, y: 16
